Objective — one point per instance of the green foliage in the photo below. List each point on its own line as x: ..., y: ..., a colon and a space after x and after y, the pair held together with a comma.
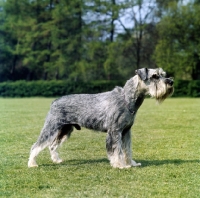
x: 54, y: 88
x: 181, y: 88
x: 187, y: 88
x: 169, y: 154
x: 119, y: 61
x: 96, y: 40
x: 44, y: 33
x: 194, y: 88
x: 178, y: 49
x: 76, y: 40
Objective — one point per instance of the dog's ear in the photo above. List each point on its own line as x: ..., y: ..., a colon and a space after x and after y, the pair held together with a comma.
x: 142, y: 73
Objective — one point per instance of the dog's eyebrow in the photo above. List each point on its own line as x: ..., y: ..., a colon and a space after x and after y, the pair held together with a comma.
x: 161, y: 72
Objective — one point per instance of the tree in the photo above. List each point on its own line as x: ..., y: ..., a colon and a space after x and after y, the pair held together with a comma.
x: 67, y: 37
x: 136, y: 41
x: 23, y: 23
x: 99, y: 33
x: 178, y: 49
x: 84, y: 39
x: 46, y: 36
x: 8, y: 59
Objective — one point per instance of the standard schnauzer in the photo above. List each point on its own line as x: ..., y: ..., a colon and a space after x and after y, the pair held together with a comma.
x: 112, y: 112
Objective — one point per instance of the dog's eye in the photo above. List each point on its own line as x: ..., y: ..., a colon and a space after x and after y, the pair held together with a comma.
x: 155, y: 76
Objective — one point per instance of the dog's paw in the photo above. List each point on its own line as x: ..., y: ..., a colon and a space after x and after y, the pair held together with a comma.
x: 58, y: 161
x: 120, y: 165
x: 133, y: 163
x: 32, y: 164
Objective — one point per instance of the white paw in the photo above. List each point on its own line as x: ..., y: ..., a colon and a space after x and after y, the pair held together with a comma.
x: 133, y: 163
x: 32, y: 164
x: 58, y: 161
x: 120, y: 166
x: 127, y: 166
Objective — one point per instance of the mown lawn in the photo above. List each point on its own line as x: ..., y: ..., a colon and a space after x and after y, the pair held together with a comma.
x: 165, y: 139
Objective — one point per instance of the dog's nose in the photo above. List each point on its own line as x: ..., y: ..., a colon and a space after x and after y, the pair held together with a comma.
x: 169, y: 81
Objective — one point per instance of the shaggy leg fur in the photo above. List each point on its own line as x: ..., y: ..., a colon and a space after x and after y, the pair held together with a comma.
x: 63, y: 134
x: 54, y: 155
x: 35, y: 150
x: 126, y: 147
x: 53, y: 141
x: 115, y: 151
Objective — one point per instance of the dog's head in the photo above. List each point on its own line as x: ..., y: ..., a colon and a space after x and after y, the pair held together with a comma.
x: 155, y: 83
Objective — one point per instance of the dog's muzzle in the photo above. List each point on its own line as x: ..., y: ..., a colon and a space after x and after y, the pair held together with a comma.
x: 169, y: 81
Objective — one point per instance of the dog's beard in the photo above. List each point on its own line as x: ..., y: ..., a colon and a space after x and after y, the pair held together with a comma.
x: 160, y: 91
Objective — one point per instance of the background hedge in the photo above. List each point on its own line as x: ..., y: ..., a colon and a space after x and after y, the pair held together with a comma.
x: 183, y: 88
x: 54, y: 88
x: 186, y: 88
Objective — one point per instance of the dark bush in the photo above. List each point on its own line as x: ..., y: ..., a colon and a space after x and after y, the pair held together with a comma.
x: 194, y: 88
x: 53, y: 88
x: 183, y: 88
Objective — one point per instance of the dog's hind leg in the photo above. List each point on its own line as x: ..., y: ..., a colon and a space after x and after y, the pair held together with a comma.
x: 37, y: 148
x: 63, y: 134
x: 47, y: 135
x: 42, y: 142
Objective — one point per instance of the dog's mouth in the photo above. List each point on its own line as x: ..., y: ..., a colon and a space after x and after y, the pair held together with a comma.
x: 169, y: 81
x: 170, y: 87
x: 160, y: 97
x: 170, y: 90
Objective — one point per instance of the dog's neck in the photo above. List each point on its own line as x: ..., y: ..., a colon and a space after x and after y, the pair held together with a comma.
x: 134, y: 97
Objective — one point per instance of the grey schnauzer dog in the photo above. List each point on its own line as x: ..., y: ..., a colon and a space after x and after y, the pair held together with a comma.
x: 112, y: 112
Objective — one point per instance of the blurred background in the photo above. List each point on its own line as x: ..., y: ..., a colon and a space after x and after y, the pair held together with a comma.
x: 95, y: 40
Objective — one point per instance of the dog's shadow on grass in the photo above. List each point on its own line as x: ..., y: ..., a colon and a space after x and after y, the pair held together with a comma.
x: 75, y: 162
x: 145, y: 163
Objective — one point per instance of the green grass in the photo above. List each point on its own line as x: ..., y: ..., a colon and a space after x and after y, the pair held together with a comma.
x: 165, y: 139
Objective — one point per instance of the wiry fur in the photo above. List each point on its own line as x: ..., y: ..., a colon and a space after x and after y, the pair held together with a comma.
x: 112, y: 112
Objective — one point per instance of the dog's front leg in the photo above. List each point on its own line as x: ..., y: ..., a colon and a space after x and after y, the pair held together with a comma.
x: 115, y: 151
x: 133, y: 163
x: 126, y: 146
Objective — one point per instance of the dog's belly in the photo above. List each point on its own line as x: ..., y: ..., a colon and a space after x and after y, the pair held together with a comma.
x: 94, y: 123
